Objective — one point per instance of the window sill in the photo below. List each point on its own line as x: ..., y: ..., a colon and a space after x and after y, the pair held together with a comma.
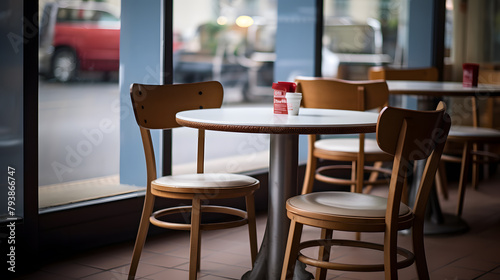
x: 104, y: 189
x: 73, y: 193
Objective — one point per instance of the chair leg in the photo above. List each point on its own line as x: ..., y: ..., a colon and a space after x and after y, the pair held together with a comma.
x: 475, y: 167
x: 310, y: 167
x: 360, y: 177
x: 324, y: 254
x: 292, y: 250
x: 194, y: 254
x: 441, y: 180
x: 466, y: 158
x: 141, y: 234
x: 405, y: 196
x: 353, y: 176
x: 252, y: 228
x: 360, y: 165
x: 419, y: 251
x: 373, y: 176
x: 390, y: 253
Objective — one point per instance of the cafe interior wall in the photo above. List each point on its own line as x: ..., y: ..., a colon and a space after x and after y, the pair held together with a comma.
x: 471, y: 30
x: 134, y: 44
x: 469, y: 40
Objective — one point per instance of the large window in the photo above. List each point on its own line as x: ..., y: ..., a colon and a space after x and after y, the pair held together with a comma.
x: 359, y: 34
x: 232, y: 42
x: 229, y: 41
x: 79, y: 106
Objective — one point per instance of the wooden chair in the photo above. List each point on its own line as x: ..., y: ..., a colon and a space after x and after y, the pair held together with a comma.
x: 408, y: 135
x: 474, y: 141
x: 403, y: 74
x: 333, y: 93
x: 155, y: 107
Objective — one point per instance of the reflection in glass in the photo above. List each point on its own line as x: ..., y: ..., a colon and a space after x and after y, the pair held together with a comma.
x: 79, y: 104
x: 357, y: 35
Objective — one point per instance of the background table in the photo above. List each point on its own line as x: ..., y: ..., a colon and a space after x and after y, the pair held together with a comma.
x: 284, y: 131
x: 440, y: 89
x: 428, y: 93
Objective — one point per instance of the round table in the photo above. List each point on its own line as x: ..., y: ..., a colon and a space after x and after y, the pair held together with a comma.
x: 284, y: 131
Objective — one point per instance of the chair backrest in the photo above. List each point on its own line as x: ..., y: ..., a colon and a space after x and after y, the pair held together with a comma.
x: 331, y: 93
x: 412, y: 135
x: 491, y: 113
x: 155, y: 107
x: 404, y: 74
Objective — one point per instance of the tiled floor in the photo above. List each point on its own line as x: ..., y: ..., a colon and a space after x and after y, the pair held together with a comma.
x: 225, y: 254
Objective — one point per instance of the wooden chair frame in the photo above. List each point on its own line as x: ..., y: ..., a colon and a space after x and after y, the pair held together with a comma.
x: 408, y: 135
x: 471, y: 156
x: 331, y: 93
x: 155, y: 107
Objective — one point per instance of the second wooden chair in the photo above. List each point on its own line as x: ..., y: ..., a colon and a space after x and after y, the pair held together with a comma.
x: 330, y: 93
x: 400, y: 132
x: 155, y: 107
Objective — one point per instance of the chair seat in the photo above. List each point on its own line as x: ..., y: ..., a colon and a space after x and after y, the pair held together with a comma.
x: 347, y: 204
x: 473, y: 132
x: 348, y: 145
x: 207, y: 181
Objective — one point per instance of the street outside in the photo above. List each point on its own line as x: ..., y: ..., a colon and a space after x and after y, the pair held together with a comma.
x: 79, y: 132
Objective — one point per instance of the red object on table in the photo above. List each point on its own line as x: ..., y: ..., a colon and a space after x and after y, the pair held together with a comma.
x: 470, y: 74
x: 280, y: 90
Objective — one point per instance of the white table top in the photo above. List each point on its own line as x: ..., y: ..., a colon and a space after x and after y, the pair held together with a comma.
x: 263, y: 120
x: 441, y: 88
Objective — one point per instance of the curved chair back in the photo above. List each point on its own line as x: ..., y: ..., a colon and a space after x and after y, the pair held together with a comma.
x: 155, y: 107
x: 413, y: 135
x: 149, y: 101
x: 331, y: 93
x: 404, y: 74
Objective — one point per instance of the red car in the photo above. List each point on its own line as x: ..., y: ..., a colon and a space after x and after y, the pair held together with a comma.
x: 79, y: 36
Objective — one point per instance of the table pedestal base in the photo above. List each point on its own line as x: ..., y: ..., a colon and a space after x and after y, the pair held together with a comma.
x: 283, y: 164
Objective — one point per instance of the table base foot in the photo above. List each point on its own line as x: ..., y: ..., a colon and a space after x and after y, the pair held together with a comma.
x: 450, y: 224
x: 260, y: 270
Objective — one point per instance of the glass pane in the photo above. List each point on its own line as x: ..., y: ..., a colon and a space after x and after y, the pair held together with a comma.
x: 231, y: 42
x: 358, y: 34
x: 79, y: 106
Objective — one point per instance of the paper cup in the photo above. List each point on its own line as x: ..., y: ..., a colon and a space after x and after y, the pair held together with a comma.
x: 293, y: 102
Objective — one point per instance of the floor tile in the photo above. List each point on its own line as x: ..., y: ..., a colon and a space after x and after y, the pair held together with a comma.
x: 164, y: 260
x: 108, y: 275
x: 170, y: 274
x: 70, y: 269
x: 43, y: 275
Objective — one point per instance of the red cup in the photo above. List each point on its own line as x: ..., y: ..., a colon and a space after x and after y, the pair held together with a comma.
x: 470, y: 74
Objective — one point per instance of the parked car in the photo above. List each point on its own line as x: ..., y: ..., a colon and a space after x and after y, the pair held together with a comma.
x: 78, y: 36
